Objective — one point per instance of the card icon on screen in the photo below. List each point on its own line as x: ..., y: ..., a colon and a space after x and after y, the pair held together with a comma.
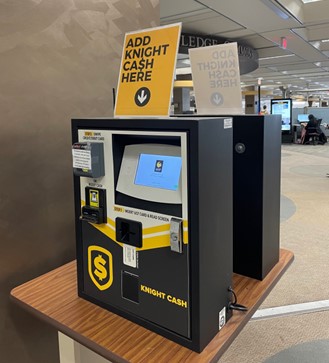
x: 158, y: 166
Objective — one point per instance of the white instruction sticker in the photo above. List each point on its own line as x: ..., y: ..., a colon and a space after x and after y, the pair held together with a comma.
x: 130, y: 256
x: 222, y: 318
x: 227, y: 123
x: 81, y: 159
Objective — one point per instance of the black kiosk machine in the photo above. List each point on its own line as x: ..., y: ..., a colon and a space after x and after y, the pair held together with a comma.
x: 153, y: 205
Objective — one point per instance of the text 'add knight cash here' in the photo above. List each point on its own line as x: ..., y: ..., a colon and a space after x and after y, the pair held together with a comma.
x: 147, y: 72
x: 216, y: 79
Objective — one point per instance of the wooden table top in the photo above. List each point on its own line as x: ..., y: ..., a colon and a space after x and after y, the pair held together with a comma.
x: 53, y: 298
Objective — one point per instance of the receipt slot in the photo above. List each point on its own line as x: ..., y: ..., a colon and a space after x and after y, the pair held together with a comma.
x: 153, y: 205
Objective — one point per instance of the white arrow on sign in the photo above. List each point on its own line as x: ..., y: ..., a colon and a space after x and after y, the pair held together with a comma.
x: 217, y: 98
x: 142, y: 97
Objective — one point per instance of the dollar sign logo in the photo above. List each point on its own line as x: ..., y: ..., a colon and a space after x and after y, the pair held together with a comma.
x: 100, y: 271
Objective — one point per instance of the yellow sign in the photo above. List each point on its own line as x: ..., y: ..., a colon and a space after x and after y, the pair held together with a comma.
x: 147, y: 72
x: 100, y: 267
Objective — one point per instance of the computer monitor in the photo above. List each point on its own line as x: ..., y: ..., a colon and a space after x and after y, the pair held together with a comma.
x: 302, y: 118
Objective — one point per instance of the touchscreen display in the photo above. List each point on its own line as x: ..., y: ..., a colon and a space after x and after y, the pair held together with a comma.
x: 158, y: 171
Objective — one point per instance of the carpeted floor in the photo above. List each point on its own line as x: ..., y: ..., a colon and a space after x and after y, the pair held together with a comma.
x: 305, y: 231
x: 261, y: 340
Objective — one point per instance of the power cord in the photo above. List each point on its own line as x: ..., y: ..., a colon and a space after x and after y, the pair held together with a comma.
x: 234, y: 305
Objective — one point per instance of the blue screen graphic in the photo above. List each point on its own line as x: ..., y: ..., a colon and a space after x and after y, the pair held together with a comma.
x: 158, y: 171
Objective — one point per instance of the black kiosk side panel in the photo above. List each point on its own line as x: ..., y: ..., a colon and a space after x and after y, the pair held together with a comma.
x: 215, y: 221
x: 271, y: 193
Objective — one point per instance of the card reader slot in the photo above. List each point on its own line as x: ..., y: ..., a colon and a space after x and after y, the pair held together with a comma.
x: 129, y: 232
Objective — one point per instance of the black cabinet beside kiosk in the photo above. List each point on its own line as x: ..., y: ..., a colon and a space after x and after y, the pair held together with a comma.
x: 256, y: 194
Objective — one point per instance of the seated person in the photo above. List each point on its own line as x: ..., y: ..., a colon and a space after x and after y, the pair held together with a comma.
x: 312, y: 126
x: 264, y: 111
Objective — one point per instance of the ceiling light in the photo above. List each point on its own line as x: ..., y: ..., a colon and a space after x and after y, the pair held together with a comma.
x: 316, y: 44
x: 325, y: 40
x: 186, y: 70
x: 278, y: 56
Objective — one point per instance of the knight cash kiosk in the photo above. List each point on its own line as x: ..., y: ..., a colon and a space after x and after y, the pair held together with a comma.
x: 153, y: 204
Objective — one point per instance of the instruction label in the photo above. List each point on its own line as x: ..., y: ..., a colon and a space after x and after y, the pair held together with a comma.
x: 144, y: 214
x: 147, y: 71
x: 227, y: 123
x: 130, y: 256
x: 81, y: 159
x: 92, y: 135
x: 221, y: 318
x: 216, y: 79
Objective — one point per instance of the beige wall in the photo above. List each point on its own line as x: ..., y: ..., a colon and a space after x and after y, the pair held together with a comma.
x: 58, y: 59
